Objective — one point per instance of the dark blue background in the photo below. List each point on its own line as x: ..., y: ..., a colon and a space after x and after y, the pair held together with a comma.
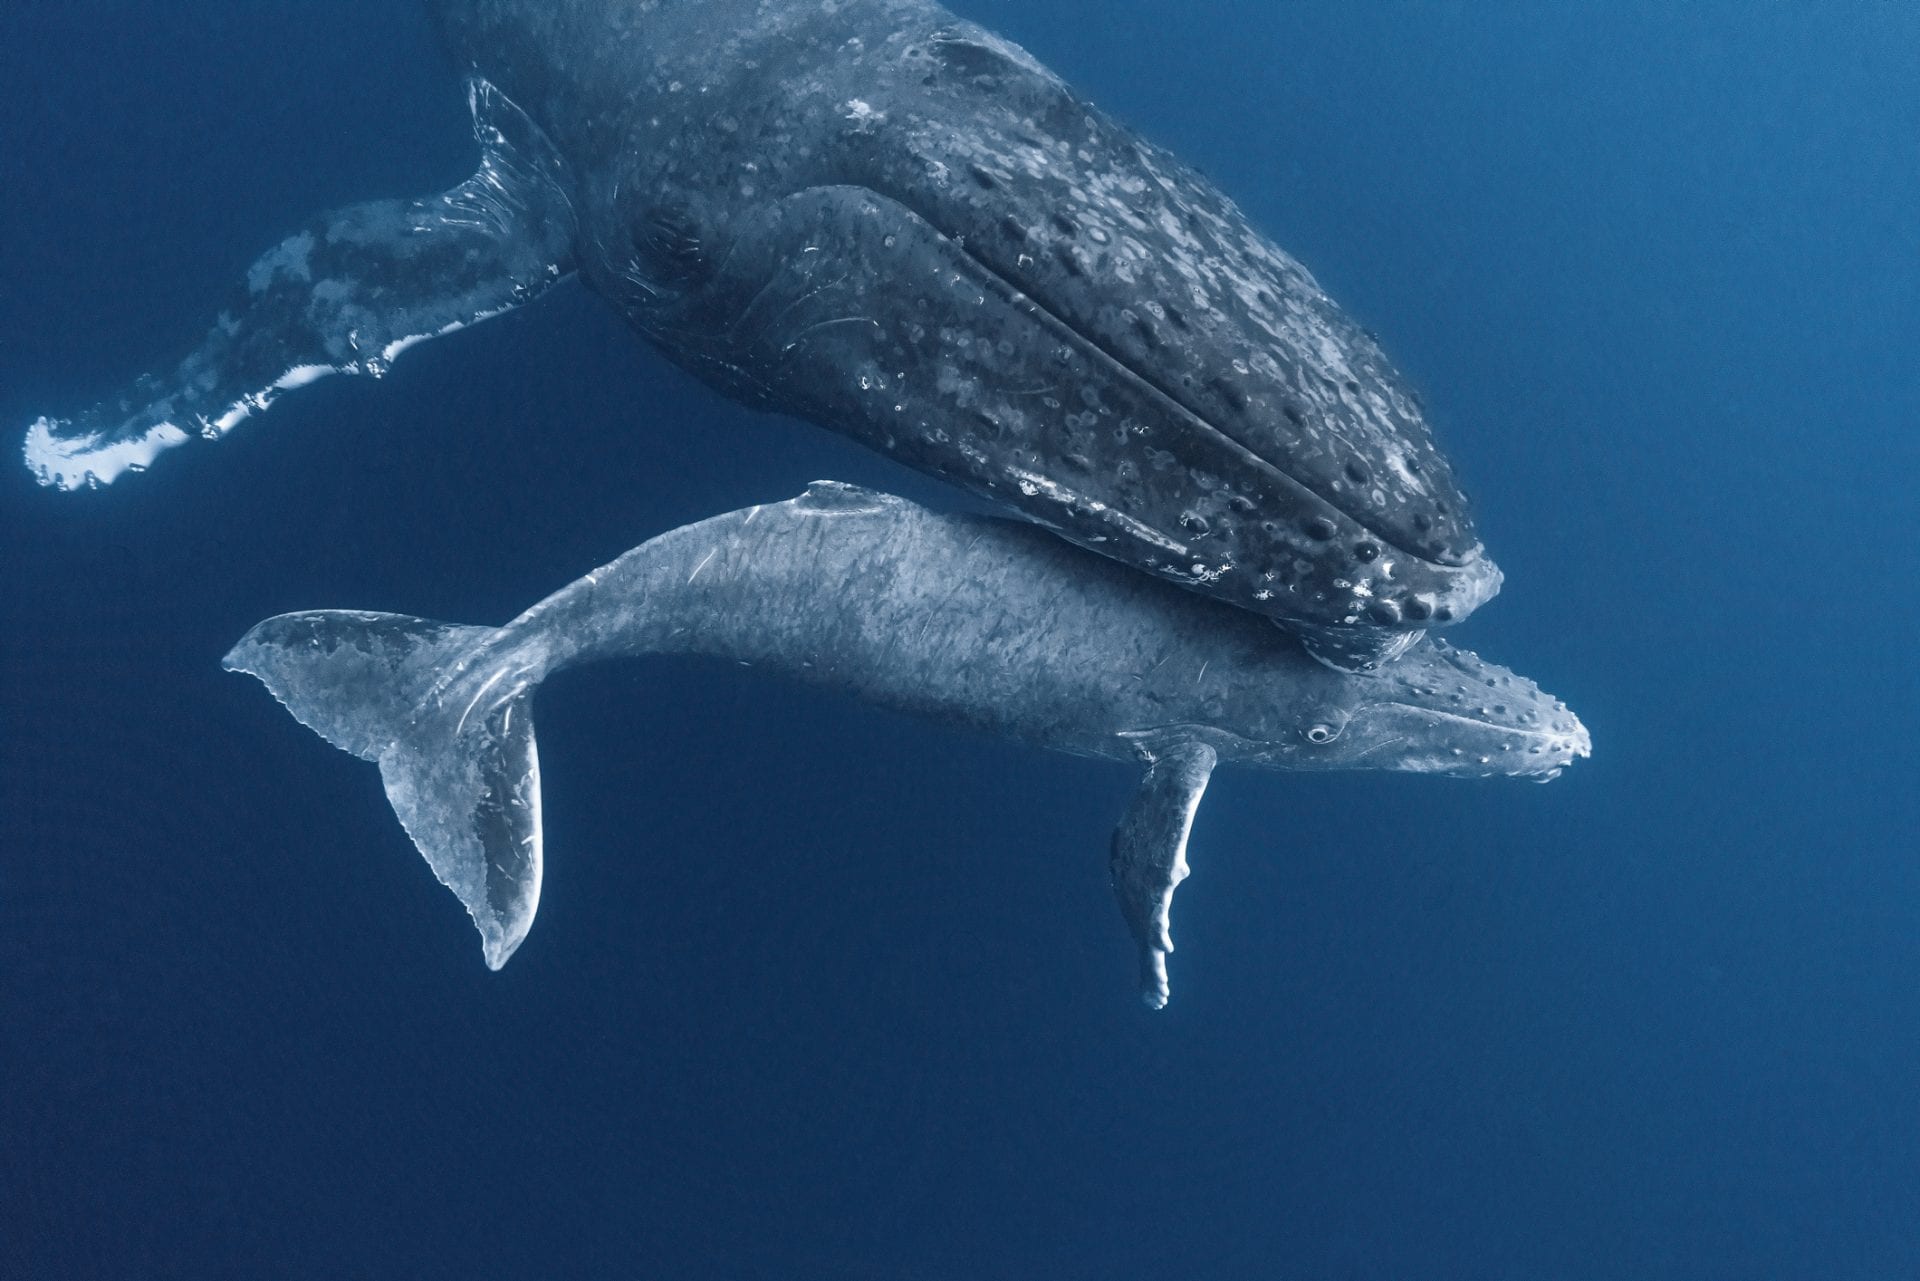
x: 818, y: 992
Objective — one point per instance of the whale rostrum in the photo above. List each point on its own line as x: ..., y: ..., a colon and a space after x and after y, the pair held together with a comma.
x: 876, y: 216
x: 971, y: 621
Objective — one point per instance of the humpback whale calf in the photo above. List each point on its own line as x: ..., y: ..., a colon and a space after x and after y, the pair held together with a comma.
x: 879, y: 217
x: 976, y: 621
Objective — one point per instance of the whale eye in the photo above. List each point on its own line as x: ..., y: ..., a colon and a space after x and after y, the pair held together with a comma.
x: 1320, y: 733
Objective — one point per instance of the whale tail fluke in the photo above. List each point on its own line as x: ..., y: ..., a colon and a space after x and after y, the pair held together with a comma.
x: 449, y: 726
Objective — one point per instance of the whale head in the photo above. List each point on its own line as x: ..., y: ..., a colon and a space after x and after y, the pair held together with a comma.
x: 1437, y: 710
x: 935, y: 246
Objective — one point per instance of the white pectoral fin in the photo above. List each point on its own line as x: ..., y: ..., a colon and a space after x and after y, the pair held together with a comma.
x: 1150, y: 853
x: 346, y: 295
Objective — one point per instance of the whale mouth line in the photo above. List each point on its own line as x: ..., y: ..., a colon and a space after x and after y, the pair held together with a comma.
x: 1575, y: 743
x: 1154, y: 388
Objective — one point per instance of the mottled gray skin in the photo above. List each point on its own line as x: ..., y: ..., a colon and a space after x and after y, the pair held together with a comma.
x: 972, y: 621
x: 874, y: 215
x: 990, y: 623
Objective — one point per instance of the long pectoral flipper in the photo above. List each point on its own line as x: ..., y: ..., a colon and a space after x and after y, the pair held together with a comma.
x: 1150, y: 854
x: 344, y: 296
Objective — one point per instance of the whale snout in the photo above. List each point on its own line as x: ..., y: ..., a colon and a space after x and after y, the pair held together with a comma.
x: 1568, y: 742
x: 1424, y: 740
x: 1443, y: 710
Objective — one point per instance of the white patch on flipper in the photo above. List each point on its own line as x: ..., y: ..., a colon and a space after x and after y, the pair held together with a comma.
x: 393, y: 349
x: 237, y: 413
x: 83, y: 461
x: 70, y: 463
x: 73, y: 462
x: 301, y: 375
x: 289, y: 258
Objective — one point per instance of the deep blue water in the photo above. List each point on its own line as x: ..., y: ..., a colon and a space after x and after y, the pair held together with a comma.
x: 819, y: 992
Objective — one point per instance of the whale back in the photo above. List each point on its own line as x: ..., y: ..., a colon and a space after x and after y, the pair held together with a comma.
x: 877, y: 216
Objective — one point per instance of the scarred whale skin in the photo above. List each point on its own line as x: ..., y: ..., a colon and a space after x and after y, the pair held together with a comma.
x: 893, y: 222
x: 879, y: 217
x: 967, y: 620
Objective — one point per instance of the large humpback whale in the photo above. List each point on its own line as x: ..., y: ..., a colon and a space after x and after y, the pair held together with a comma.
x: 874, y: 215
x: 977, y: 621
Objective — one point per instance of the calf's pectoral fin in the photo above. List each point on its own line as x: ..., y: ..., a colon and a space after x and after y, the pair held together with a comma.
x: 1150, y: 853
x: 346, y: 295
